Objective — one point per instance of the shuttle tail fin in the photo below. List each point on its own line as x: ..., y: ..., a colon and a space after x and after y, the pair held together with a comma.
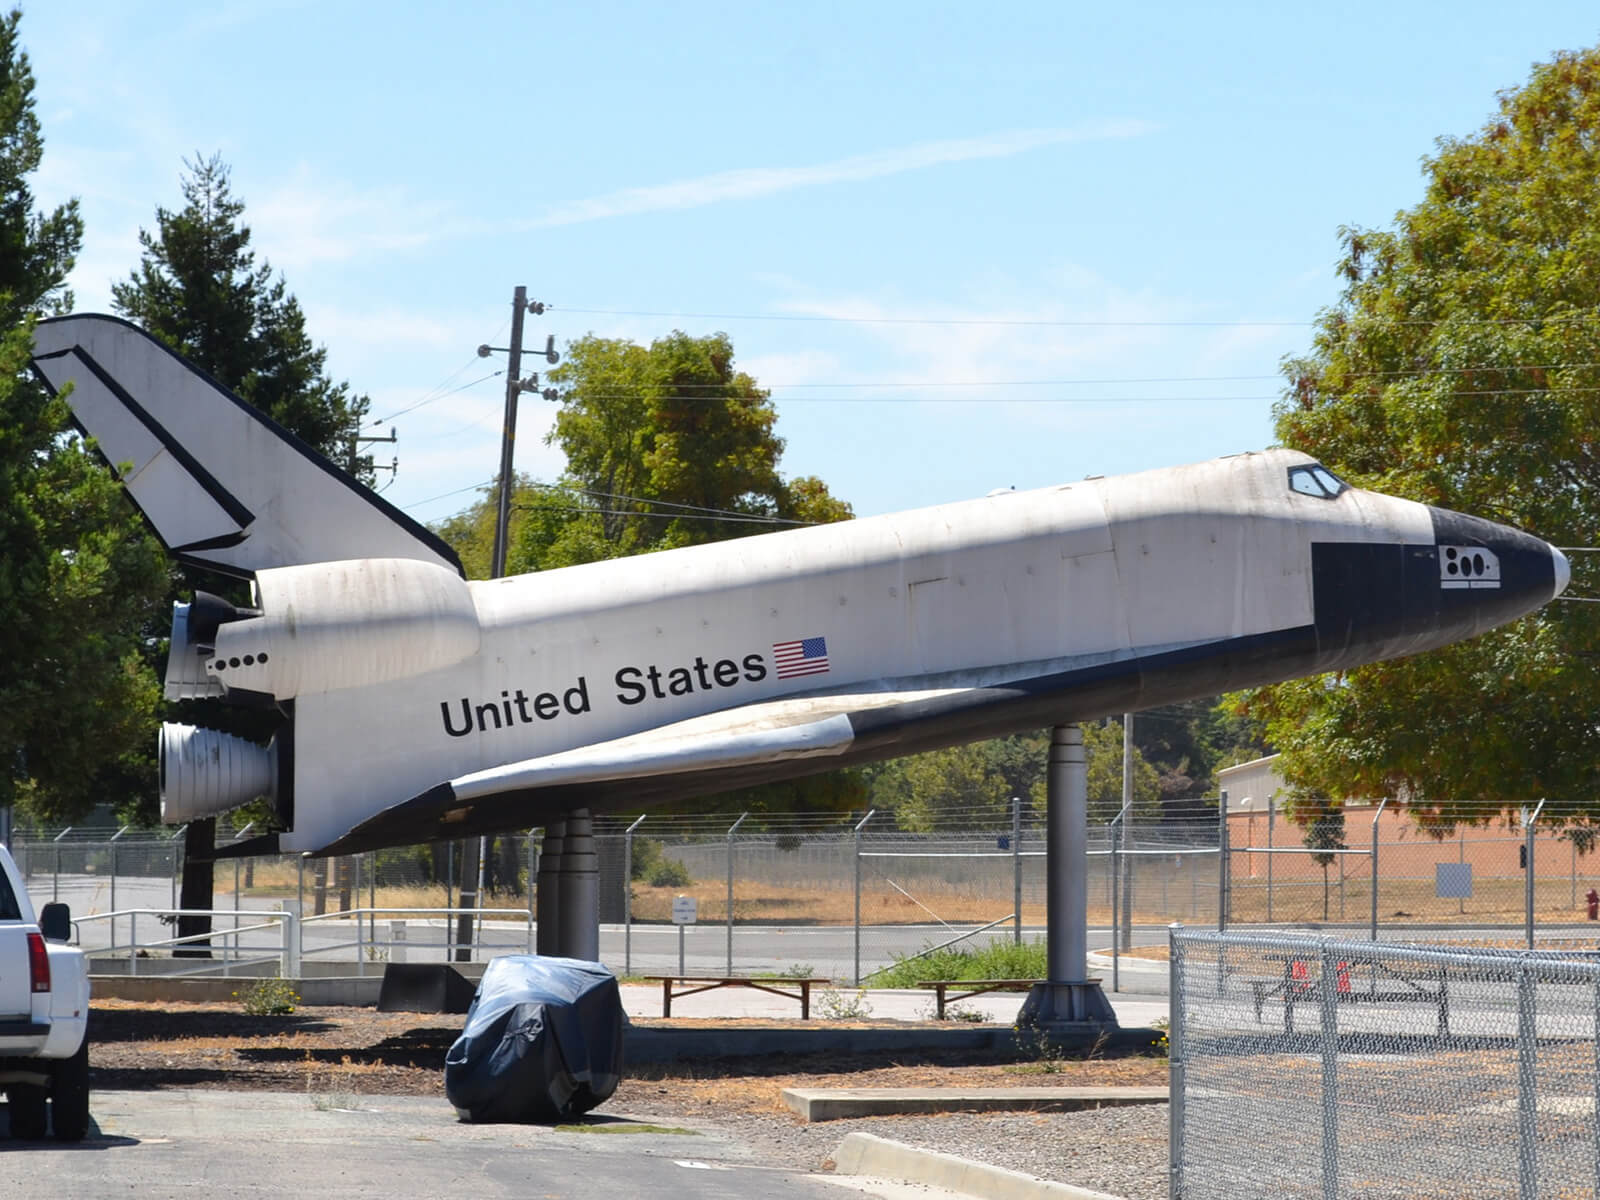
x: 221, y: 483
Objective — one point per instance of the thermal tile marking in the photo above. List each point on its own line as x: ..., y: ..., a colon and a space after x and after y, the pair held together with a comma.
x: 1468, y: 567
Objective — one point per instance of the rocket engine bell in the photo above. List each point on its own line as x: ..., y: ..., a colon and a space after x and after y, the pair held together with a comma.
x: 205, y: 773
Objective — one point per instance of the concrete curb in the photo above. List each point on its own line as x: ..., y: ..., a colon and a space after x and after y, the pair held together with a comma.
x: 864, y: 1154
x: 836, y: 1104
x: 351, y: 991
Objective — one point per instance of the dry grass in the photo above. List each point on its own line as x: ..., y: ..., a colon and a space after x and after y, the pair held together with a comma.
x: 1495, y: 900
x: 331, y: 1053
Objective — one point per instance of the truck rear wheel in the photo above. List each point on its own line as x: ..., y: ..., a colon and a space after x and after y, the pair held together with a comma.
x: 26, y: 1104
x: 69, y: 1096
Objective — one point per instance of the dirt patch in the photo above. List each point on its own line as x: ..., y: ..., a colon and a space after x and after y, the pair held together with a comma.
x: 361, y: 1051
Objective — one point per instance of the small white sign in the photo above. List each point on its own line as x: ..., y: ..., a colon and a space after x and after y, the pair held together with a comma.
x: 684, y: 910
x: 1452, y: 881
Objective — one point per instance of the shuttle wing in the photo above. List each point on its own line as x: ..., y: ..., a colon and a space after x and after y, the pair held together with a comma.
x: 222, y: 485
x: 734, y: 748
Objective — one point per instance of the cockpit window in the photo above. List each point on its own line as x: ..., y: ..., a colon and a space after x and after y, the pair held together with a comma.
x: 1315, y: 480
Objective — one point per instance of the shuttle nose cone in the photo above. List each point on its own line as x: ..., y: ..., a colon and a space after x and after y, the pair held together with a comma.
x: 1563, y: 570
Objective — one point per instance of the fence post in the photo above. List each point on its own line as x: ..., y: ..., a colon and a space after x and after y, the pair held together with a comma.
x: 1272, y: 815
x: 731, y: 829
x: 1116, y: 906
x: 1224, y: 861
x: 1330, y: 1076
x: 533, y: 896
x: 114, y: 838
x: 1016, y: 868
x: 1175, y: 1064
x: 627, y: 896
x: 291, y: 945
x: 1527, y: 1085
x: 1528, y: 823
x: 177, y: 859
x: 1375, y: 817
x: 55, y: 886
x: 372, y: 896
x: 859, y: 828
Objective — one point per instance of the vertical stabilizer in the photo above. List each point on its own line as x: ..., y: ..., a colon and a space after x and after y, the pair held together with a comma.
x: 222, y: 484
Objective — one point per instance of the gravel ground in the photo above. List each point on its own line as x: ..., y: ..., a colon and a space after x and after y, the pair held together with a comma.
x: 1122, y: 1151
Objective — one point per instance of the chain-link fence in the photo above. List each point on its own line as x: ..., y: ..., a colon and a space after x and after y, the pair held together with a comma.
x: 845, y: 895
x: 1324, y: 1068
x: 1539, y: 874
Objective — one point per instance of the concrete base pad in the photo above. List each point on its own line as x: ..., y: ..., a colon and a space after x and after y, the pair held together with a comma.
x: 1072, y: 1009
x: 864, y: 1154
x: 834, y: 1104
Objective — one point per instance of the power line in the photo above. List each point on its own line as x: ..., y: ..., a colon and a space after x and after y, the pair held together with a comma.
x: 1025, y: 322
x: 430, y: 398
x: 630, y: 512
x: 719, y: 390
x: 442, y: 495
x: 698, y: 508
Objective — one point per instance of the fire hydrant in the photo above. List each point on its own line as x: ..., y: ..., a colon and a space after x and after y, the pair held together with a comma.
x: 1594, y: 904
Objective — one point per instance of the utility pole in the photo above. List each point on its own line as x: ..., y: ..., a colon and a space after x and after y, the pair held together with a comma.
x: 515, y: 386
x: 474, y: 849
x: 352, y: 461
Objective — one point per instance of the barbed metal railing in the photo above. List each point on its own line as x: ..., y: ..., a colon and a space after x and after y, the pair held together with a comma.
x: 1327, y: 1068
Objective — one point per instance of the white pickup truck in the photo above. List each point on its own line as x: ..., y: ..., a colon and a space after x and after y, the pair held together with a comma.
x: 44, y: 1015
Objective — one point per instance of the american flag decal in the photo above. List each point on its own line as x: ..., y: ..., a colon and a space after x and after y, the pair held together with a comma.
x: 804, y: 656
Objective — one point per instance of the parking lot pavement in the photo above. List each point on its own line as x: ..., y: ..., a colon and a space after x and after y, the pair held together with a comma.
x: 260, y: 1144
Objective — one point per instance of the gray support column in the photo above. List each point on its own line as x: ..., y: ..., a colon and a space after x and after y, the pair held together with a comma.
x: 579, y: 889
x: 1067, y: 856
x: 1069, y: 1001
x: 547, y: 900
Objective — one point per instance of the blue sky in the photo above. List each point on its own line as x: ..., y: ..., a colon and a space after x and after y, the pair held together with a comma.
x: 966, y: 246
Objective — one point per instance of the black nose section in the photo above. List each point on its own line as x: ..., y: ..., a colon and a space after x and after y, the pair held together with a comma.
x: 1385, y: 599
x: 1488, y: 574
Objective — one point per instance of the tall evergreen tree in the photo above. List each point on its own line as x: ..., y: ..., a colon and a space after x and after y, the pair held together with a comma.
x: 79, y: 578
x: 198, y: 289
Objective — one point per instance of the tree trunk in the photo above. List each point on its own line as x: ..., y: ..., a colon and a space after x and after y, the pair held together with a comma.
x: 196, y: 889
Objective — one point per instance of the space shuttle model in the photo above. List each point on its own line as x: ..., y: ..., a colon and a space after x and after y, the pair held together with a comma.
x: 416, y: 705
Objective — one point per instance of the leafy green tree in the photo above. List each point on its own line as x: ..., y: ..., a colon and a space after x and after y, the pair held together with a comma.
x: 665, y: 446
x: 1322, y: 821
x: 198, y: 288
x: 1102, y: 744
x: 78, y: 576
x: 973, y: 784
x: 1459, y: 368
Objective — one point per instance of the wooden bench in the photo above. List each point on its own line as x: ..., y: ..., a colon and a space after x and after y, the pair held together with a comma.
x: 976, y: 987
x: 704, y: 983
x: 1300, y: 985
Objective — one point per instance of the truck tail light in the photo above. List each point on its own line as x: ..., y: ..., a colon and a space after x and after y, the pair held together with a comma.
x: 38, y: 962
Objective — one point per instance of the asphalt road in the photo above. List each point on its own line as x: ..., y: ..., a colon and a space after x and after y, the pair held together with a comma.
x: 258, y: 1144
x: 647, y: 950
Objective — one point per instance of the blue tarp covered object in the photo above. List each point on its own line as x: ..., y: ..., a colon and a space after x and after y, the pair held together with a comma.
x: 542, y: 1042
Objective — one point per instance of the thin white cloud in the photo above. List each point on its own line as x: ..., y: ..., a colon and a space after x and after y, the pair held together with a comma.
x: 303, y: 220
x: 753, y: 182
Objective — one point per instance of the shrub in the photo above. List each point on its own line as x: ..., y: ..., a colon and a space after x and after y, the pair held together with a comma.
x: 269, y: 998
x: 669, y: 872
